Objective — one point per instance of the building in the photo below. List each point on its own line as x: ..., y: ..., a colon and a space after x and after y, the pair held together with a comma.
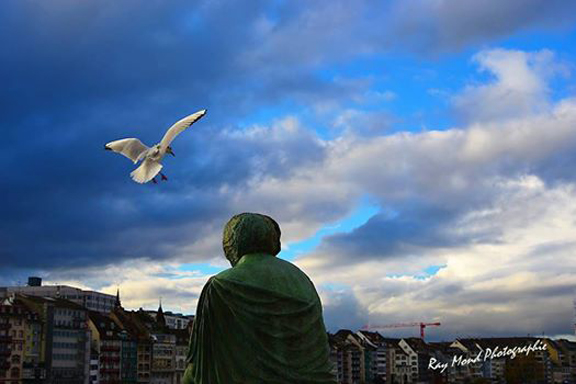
x: 562, y: 357
x: 108, y: 345
x: 444, y: 353
x: 129, y: 358
x: 92, y: 300
x: 336, y: 356
x: 65, y: 350
x: 137, y: 345
x: 161, y: 351
x: 351, y: 357
x: 402, y: 369
x: 535, y: 367
x: 94, y: 370
x: 379, y: 351
x: 20, y: 343
x: 49, y: 337
x: 181, y: 353
x: 570, y: 350
x: 174, y: 320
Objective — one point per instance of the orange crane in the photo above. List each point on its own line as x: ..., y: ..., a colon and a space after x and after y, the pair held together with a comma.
x: 368, y: 327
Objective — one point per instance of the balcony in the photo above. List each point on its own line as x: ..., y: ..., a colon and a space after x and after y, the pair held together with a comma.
x: 109, y: 370
x: 109, y: 348
x: 110, y: 359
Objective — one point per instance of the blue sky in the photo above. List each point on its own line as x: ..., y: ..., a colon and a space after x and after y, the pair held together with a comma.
x: 417, y: 154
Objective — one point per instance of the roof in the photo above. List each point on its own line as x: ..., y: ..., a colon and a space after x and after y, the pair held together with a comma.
x: 341, y: 340
x: 105, y: 325
x: 418, y: 345
x: 373, y: 337
x: 444, y: 347
x: 343, y: 334
x: 16, y: 307
x: 60, y: 303
x: 131, y: 323
x: 391, y: 341
x: 567, y: 344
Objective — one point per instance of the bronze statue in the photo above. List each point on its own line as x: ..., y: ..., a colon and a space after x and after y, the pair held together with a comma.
x: 261, y: 320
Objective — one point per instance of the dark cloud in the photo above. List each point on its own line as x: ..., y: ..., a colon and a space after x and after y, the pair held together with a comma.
x: 442, y: 26
x: 415, y: 230
x: 505, y: 324
x: 343, y: 311
x: 559, y: 167
x: 88, y: 211
x: 78, y: 74
x: 466, y: 310
x: 552, y: 248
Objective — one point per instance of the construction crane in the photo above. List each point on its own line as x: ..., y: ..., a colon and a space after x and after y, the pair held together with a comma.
x: 368, y: 327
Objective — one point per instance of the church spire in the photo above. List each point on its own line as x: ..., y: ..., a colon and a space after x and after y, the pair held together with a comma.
x: 117, y: 304
x: 160, y: 319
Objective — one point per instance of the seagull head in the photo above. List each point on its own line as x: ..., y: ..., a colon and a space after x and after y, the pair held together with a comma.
x: 170, y: 151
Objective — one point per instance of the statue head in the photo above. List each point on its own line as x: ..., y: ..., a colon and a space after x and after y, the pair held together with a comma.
x: 250, y: 233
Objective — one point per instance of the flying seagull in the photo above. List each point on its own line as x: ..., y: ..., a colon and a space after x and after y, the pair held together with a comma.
x: 133, y: 149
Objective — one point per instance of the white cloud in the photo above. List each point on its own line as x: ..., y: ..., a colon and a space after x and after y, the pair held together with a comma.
x: 515, y: 272
x: 520, y: 85
x: 141, y: 282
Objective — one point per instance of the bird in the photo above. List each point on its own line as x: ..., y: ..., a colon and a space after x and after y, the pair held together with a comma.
x: 151, y: 157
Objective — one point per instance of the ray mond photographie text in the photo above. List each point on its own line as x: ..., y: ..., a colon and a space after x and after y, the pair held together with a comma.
x: 486, y: 354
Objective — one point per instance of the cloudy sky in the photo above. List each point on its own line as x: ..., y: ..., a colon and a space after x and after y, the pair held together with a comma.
x: 419, y: 155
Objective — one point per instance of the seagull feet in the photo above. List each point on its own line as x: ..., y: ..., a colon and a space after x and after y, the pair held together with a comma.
x: 163, y: 176
x: 154, y: 180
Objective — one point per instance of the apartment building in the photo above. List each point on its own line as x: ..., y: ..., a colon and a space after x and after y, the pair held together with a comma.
x: 20, y: 343
x: 377, y: 365
x: 92, y: 300
x: 174, y: 320
x: 53, y: 340
x: 65, y: 338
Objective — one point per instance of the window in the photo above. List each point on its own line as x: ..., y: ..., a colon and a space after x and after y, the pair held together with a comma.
x: 15, y: 373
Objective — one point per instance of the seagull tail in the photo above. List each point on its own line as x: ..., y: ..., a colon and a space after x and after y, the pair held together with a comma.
x: 146, y: 171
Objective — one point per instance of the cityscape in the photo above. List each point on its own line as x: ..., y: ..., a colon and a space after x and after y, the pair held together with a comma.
x: 415, y: 159
x: 62, y: 334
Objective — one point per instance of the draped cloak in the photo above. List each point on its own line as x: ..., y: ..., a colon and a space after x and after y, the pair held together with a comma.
x: 259, y: 322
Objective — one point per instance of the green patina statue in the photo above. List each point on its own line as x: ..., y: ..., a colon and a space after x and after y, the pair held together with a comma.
x: 261, y: 320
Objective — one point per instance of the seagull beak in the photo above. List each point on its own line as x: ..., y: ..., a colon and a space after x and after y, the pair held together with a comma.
x: 107, y: 148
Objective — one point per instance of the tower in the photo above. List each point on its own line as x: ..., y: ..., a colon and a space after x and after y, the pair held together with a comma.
x: 117, y: 304
x: 160, y: 319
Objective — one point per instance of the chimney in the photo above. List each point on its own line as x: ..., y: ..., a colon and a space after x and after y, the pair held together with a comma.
x: 34, y: 281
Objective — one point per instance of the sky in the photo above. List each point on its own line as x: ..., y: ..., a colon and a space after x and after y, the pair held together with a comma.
x: 418, y: 155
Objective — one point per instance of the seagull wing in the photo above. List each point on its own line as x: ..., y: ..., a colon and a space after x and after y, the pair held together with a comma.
x: 177, y: 128
x: 146, y: 171
x: 131, y: 148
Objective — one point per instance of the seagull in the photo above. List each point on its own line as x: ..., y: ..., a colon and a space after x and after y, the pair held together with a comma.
x: 136, y: 151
